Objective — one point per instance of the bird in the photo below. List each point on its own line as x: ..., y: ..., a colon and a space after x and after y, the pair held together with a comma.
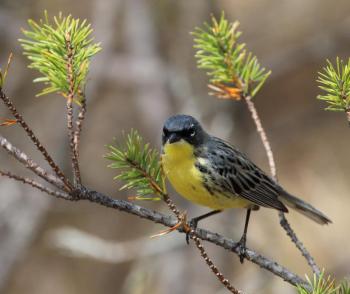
x: 211, y: 172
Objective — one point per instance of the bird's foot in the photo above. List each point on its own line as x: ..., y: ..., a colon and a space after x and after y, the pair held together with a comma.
x: 182, y: 223
x: 241, y: 246
x: 191, y: 226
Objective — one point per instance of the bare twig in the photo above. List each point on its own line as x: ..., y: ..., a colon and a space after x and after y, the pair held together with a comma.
x: 58, y: 194
x: 283, y: 221
x: 262, y: 135
x: 35, y: 140
x: 79, y: 124
x: 30, y: 164
x: 198, y: 243
x: 70, y: 97
x: 285, y: 224
x: 212, y: 266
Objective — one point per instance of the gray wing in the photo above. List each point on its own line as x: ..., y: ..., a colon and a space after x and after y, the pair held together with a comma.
x: 234, y: 172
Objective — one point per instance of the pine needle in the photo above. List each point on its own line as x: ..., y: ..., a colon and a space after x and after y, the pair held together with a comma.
x: 139, y: 166
x: 232, y: 69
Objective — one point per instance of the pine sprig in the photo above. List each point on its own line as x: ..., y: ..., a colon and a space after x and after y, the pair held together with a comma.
x: 335, y: 81
x: 139, y: 167
x: 232, y: 69
x: 324, y: 285
x: 46, y: 48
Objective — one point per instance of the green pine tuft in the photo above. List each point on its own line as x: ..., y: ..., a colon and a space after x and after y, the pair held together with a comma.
x: 139, y: 167
x: 335, y: 81
x: 46, y: 48
x: 225, y: 59
x: 324, y: 285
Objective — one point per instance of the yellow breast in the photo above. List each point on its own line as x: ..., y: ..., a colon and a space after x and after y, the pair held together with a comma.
x: 179, y: 166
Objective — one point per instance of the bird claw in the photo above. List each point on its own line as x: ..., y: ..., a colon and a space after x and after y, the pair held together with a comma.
x: 182, y: 223
x: 242, y: 249
x: 191, y: 226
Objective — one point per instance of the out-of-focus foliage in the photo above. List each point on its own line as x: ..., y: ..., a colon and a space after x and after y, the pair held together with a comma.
x: 3, y: 73
x: 324, y: 285
x: 140, y: 167
x: 335, y: 81
x: 226, y: 60
x: 49, y: 45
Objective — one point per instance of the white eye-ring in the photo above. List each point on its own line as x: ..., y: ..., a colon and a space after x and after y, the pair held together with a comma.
x: 193, y: 133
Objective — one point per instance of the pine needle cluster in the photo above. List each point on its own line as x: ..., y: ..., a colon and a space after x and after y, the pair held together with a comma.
x: 232, y: 69
x: 324, y: 285
x: 139, y: 167
x: 49, y: 45
x: 335, y: 81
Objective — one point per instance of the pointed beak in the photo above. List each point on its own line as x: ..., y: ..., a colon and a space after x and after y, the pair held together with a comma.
x: 173, y: 138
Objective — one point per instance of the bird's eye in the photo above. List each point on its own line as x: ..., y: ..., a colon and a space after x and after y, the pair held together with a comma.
x: 192, y: 133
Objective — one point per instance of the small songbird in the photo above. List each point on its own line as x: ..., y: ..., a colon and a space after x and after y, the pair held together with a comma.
x: 211, y: 172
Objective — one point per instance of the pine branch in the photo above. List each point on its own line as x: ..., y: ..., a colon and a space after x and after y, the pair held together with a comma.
x: 34, y: 184
x: 212, y: 266
x: 283, y: 221
x: 46, y: 48
x: 61, y: 51
x: 79, y: 124
x: 64, y: 69
x: 70, y: 97
x: 30, y: 164
x: 140, y: 167
x: 262, y: 134
x: 321, y: 284
x: 82, y: 193
x: 234, y: 72
x: 141, y: 170
x: 34, y: 139
x: 335, y: 81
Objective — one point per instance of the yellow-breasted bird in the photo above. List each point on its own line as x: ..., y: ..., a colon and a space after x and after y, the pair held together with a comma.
x: 209, y: 171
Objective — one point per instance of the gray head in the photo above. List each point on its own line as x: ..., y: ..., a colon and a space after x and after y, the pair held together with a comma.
x: 183, y: 127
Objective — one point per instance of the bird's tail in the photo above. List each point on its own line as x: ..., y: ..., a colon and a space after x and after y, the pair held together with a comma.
x: 304, y: 208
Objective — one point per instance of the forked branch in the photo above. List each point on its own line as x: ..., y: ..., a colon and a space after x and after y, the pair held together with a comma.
x: 35, y: 140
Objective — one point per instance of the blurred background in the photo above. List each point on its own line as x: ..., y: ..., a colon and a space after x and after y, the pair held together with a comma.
x: 145, y: 73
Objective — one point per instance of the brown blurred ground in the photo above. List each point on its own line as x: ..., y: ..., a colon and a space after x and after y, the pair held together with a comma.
x: 145, y: 73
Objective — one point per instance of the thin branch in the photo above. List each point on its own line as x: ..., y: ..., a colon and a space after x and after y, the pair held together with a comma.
x: 30, y: 164
x: 212, y: 266
x: 79, y: 124
x: 283, y: 221
x: 35, y: 140
x: 285, y: 224
x: 70, y: 97
x: 187, y: 229
x: 262, y: 135
x: 55, y: 193
x: 166, y: 220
